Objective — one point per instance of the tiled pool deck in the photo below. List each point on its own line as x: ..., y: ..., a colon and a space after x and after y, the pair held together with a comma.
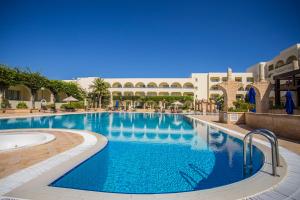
x: 31, y: 183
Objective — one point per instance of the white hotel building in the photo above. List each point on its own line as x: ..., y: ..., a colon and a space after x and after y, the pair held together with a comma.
x: 199, y: 85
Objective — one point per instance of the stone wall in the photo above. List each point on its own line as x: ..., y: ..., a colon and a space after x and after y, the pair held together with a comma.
x: 232, y: 117
x: 283, y: 125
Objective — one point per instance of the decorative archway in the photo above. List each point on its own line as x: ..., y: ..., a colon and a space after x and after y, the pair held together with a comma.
x: 43, y: 94
x: 229, y: 89
x: 262, y: 90
x: 18, y: 93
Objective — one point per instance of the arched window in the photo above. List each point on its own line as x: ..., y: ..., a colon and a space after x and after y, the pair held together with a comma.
x: 140, y: 85
x: 188, y: 85
x: 116, y: 85
x: 291, y: 59
x: 152, y: 85
x: 164, y: 85
x: 270, y: 67
x: 176, y: 85
x: 214, y: 87
x: 128, y: 85
x: 280, y: 63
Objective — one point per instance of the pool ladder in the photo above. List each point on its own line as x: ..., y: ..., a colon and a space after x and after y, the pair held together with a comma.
x: 274, y: 148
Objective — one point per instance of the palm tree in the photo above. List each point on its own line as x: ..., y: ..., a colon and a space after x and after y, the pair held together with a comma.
x: 99, y: 89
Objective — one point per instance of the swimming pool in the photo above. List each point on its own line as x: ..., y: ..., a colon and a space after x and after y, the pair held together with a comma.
x: 149, y: 153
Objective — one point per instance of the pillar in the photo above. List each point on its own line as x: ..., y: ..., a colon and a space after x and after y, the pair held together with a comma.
x: 261, y: 72
x: 296, y: 64
x: 229, y: 89
x: 263, y: 89
x: 277, y: 92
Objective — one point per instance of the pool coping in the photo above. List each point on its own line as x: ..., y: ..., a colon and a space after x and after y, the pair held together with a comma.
x: 282, y: 187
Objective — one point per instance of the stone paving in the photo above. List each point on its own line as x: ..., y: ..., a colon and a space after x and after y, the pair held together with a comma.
x: 290, y: 145
x: 13, y: 161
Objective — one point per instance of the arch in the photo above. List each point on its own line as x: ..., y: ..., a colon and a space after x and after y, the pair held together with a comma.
x: 116, y: 85
x: 140, y: 85
x: 188, y: 85
x: 263, y: 90
x: 270, y: 67
x: 152, y: 85
x: 140, y: 94
x: 214, y: 87
x: 19, y: 93
x: 163, y: 94
x: 188, y: 94
x: 43, y: 94
x: 128, y: 85
x: 291, y: 59
x: 164, y: 85
x: 176, y: 85
x: 280, y: 63
x: 229, y: 90
x: 128, y: 93
x: 176, y: 94
x: 108, y: 84
x: 116, y: 93
x: 151, y: 94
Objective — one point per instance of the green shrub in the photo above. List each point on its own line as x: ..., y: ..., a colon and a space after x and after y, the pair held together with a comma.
x: 73, y: 105
x: 241, y: 106
x: 22, y: 105
x: 51, y: 106
x: 5, y: 104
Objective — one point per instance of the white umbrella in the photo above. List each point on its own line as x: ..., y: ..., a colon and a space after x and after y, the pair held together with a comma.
x: 177, y: 103
x: 70, y: 99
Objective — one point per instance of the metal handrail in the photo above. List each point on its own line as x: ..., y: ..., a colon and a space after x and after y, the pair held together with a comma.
x: 274, y: 148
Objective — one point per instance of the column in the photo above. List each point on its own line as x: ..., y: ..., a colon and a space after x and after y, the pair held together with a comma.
x: 277, y: 92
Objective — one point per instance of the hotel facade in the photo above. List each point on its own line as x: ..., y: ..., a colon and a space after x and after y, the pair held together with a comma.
x: 202, y: 86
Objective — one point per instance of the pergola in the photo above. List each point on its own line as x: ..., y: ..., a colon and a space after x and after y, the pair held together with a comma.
x: 292, y: 79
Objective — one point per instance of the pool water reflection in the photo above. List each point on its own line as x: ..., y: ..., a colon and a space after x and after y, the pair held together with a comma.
x: 149, y: 153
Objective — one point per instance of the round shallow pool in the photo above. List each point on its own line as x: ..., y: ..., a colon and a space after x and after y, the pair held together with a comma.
x: 149, y: 153
x: 11, y: 141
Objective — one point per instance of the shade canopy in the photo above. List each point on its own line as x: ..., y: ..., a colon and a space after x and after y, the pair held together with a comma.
x: 70, y: 99
x: 289, y: 103
x: 251, y: 95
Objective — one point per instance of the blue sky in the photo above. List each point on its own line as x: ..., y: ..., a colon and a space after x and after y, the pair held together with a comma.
x: 144, y: 38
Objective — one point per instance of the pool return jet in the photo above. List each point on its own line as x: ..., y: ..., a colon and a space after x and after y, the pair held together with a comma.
x: 274, y: 149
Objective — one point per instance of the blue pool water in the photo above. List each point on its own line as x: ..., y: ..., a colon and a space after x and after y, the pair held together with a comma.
x: 149, y: 153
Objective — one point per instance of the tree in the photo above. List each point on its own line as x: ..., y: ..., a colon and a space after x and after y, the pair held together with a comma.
x: 71, y: 88
x: 34, y: 81
x: 99, y: 89
x: 7, y: 79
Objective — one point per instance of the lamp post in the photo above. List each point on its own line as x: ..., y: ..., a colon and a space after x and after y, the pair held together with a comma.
x: 42, y: 88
